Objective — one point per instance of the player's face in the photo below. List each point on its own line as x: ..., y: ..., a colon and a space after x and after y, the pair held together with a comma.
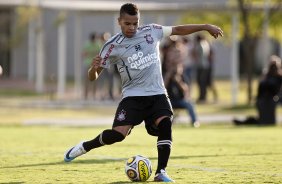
x: 128, y: 24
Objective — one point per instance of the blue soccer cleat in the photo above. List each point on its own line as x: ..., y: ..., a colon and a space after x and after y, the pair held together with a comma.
x: 163, y: 177
x: 74, y: 152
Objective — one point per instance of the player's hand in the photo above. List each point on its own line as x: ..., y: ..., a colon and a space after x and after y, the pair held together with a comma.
x: 96, y: 62
x: 215, y: 31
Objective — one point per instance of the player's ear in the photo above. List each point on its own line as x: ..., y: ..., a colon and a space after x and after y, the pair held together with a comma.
x: 119, y: 21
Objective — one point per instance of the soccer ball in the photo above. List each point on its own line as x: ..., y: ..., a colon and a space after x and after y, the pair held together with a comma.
x: 138, y: 168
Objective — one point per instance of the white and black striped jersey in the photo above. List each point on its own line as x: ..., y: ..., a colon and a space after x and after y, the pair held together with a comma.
x: 138, y: 61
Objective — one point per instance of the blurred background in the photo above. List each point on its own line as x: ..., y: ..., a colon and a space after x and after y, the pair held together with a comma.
x: 43, y: 53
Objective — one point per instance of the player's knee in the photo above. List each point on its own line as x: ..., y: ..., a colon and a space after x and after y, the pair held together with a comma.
x: 165, y: 132
x: 111, y: 136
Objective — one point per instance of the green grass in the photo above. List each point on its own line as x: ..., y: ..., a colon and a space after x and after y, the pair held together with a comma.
x: 215, y: 153
x: 210, y: 154
x: 17, y: 115
x: 12, y: 93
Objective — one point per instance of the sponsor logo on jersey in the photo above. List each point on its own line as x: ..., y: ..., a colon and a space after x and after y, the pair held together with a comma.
x: 139, y: 61
x: 108, y: 54
x: 149, y: 38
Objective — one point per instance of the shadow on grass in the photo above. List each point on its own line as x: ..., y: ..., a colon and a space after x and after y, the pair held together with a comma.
x: 117, y: 182
x: 103, y: 161
x: 92, y: 161
x: 33, y: 165
x: 238, y: 108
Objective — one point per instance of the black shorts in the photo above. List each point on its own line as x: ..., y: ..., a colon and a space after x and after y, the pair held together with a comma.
x: 133, y: 110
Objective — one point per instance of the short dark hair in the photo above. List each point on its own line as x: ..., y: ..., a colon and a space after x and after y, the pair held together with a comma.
x: 128, y: 8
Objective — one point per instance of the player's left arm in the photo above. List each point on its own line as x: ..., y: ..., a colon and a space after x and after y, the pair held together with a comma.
x: 187, y: 29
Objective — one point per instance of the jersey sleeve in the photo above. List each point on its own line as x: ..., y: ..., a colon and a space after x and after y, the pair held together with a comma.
x: 161, y: 31
x: 107, y: 55
x: 167, y: 30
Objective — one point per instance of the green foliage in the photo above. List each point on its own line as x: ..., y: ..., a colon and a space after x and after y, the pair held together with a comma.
x: 12, y: 93
x: 256, y: 18
x: 60, y: 18
x: 26, y: 14
x: 221, y: 19
x: 23, y: 16
x: 276, y: 25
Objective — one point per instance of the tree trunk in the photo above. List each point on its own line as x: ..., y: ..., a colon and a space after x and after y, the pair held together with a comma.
x: 248, y: 49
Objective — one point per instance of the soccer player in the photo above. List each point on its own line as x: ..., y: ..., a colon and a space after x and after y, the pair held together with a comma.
x: 135, y: 52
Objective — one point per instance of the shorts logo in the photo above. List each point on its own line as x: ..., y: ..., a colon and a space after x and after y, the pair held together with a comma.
x: 149, y: 38
x: 121, y: 115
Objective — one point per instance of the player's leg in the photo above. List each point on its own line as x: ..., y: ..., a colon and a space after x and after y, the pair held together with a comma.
x: 159, y: 124
x: 125, y: 115
x: 164, y: 144
x: 107, y: 137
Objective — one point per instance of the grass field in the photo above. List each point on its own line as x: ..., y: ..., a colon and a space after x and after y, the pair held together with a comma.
x: 214, y: 153
x: 210, y: 154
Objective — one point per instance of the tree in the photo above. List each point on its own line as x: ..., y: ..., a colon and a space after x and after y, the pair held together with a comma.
x: 250, y: 33
x: 247, y: 47
x: 253, y: 17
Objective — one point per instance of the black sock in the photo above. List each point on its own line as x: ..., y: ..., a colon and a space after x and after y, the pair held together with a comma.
x: 164, y: 143
x: 107, y: 137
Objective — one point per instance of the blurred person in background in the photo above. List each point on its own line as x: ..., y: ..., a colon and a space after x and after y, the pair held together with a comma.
x: 269, y: 87
x: 175, y: 53
x: 164, y: 50
x: 188, y: 62
x: 210, y: 77
x: 201, y: 56
x: 90, y: 49
x: 175, y: 80
x: 178, y: 92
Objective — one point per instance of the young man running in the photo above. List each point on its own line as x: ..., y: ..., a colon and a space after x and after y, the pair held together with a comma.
x: 135, y: 52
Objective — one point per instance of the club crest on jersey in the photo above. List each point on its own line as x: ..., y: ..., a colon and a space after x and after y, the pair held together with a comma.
x: 121, y: 115
x: 149, y: 38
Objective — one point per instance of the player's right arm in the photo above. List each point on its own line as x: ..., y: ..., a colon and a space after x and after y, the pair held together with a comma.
x: 95, y: 70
